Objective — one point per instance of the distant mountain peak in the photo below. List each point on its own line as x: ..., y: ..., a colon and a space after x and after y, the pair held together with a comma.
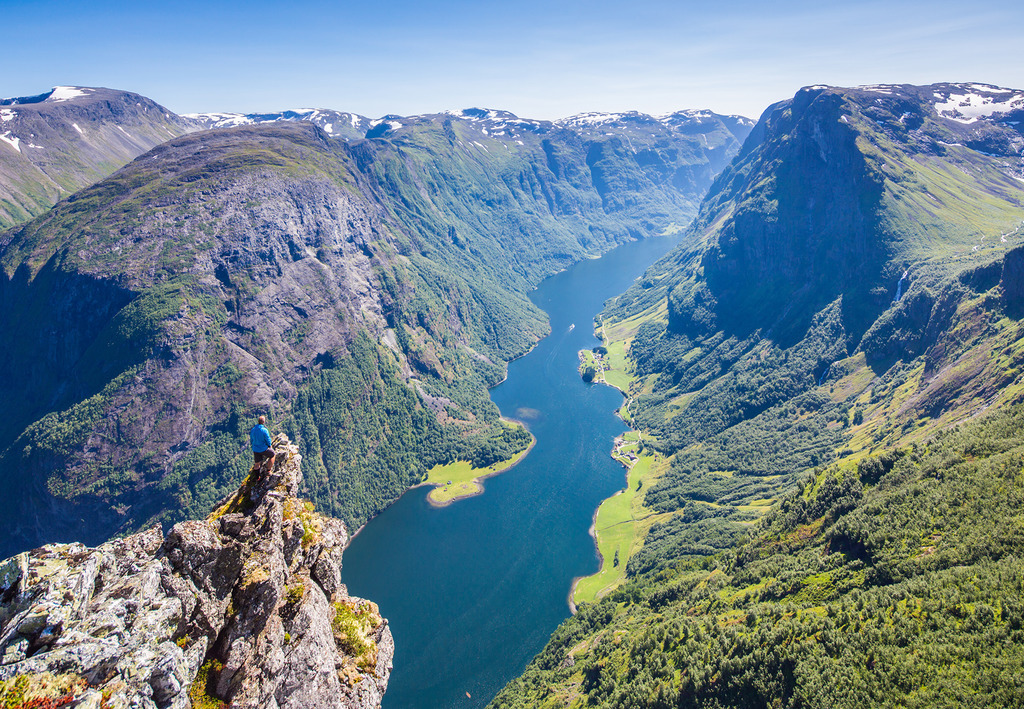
x: 480, y: 114
x: 336, y: 124
x: 595, y: 118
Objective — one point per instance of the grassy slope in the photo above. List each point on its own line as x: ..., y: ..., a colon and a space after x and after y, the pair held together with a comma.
x: 454, y: 481
x: 620, y: 525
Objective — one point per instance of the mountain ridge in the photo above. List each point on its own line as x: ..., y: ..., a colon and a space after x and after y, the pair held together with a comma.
x: 190, y: 288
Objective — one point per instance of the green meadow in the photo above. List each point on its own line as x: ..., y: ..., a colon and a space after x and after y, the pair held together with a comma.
x: 460, y: 479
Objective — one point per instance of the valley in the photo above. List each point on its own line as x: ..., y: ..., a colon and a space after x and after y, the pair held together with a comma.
x: 364, y: 293
x: 473, y: 589
x: 823, y: 376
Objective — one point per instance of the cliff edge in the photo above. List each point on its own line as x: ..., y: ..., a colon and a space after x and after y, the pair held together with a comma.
x: 243, y: 609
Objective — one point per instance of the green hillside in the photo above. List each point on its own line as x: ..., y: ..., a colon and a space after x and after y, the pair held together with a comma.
x: 895, y: 582
x: 849, y: 290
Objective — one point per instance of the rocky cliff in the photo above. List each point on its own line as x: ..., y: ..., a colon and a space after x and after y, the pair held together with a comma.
x: 244, y: 608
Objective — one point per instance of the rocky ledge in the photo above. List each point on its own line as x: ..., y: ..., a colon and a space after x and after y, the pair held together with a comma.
x: 243, y: 609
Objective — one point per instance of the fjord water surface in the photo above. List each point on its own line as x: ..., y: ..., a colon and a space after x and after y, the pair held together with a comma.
x: 473, y: 590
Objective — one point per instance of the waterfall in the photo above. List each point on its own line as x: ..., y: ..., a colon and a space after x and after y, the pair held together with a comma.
x: 899, y: 286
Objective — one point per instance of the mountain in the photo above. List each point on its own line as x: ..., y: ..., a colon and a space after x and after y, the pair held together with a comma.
x: 363, y: 293
x: 56, y: 143
x: 337, y: 124
x: 849, y: 290
x: 245, y: 607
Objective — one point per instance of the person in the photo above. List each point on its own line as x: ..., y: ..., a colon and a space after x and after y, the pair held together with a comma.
x: 262, y: 451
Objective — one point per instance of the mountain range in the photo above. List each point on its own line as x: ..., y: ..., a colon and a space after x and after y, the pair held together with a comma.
x: 362, y: 292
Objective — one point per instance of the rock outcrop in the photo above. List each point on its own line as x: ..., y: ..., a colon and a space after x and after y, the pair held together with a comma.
x: 244, y: 609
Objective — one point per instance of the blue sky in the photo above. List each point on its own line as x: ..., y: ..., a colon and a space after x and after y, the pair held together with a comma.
x: 538, y: 59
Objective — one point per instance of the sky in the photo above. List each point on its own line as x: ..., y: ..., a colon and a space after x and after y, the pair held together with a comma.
x: 542, y: 59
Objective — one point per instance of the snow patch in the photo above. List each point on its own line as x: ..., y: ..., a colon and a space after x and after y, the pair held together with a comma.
x: 591, y: 119
x: 66, y: 93
x: 971, y: 107
x: 879, y: 88
x: 14, y: 141
x: 75, y: 126
x: 7, y: 114
x: 222, y: 120
x: 989, y: 89
x: 125, y: 132
x: 475, y: 114
x: 329, y: 127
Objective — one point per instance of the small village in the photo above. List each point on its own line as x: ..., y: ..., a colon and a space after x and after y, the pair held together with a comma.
x: 593, y: 364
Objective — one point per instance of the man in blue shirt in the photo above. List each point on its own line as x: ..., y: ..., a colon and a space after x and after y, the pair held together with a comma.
x: 262, y: 452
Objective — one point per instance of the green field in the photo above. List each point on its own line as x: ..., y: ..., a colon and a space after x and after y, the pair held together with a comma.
x: 620, y: 527
x: 460, y: 479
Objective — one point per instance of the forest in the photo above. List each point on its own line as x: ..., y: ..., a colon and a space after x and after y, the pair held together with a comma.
x: 893, y: 582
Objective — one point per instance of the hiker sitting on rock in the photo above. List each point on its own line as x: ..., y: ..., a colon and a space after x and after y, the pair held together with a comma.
x: 262, y: 452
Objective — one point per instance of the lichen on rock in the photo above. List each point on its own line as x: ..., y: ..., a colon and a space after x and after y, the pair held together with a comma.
x: 238, y: 609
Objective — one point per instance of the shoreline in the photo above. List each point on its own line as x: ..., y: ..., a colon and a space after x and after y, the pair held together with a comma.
x: 479, y: 480
x: 600, y: 559
x: 439, y: 505
x: 593, y: 533
x: 628, y: 468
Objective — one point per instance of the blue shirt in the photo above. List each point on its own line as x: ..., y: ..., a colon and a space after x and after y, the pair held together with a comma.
x: 259, y: 437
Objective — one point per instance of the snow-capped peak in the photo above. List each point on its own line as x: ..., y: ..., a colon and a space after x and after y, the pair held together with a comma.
x: 592, y: 118
x: 66, y: 93
x: 221, y: 120
x: 332, y: 122
x: 480, y: 114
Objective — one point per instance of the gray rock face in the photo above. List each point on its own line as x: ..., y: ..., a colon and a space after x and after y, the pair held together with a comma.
x: 245, y: 607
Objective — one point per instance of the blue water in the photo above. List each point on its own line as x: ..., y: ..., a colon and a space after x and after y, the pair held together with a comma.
x: 473, y: 590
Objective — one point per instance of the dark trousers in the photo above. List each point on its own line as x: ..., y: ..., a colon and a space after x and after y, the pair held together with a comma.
x: 260, y: 458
